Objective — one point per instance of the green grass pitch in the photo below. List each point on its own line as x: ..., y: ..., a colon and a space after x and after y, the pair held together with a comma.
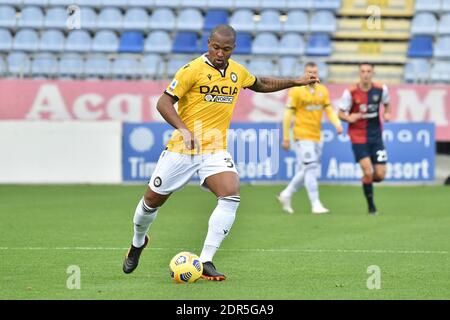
x: 268, y: 254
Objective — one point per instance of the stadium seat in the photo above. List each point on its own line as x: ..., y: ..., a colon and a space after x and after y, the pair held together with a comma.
x: 243, y: 43
x: 38, y: 3
x: 204, y: 42
x: 105, y: 41
x: 52, y: 40
x: 292, y: 44
x: 428, y: 5
x: 97, y: 66
x: 240, y: 59
x: 19, y: 64
x: 131, y: 41
x: 442, y: 47
x: 7, y: 17
x: 297, y: 21
x: 421, y: 47
x: 71, y: 65
x: 417, y: 70
x: 223, y: 4
x: 444, y: 24
x: 6, y: 40
x: 424, y: 23
x: 158, y: 41
x: 136, y: 18
x: 114, y: 3
x: 194, y: 4
x: 242, y: 20
x: 152, y: 65
x: 262, y: 68
x: 167, y: 4
x: 215, y: 17
x: 190, y: 20
x: 333, y: 5
x: 440, y: 72
x: 185, y: 42
x: 56, y: 18
x: 123, y: 67
x: 296, y: 4
x: 64, y: 3
x: 319, y: 45
x: 273, y: 4
x: 31, y: 17
x: 175, y: 64
x: 323, y: 21
x: 323, y: 70
x: 109, y: 18
x: 265, y: 43
x: 289, y: 67
x: 44, y: 64
x: 246, y: 4
x: 89, y: 3
x: 88, y: 19
x: 163, y: 19
x: 26, y: 40
x: 140, y: 3
x: 78, y: 40
x: 395, y: 29
x: 270, y: 21
x: 445, y: 5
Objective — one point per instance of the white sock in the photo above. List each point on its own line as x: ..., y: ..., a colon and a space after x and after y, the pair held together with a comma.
x: 311, y: 185
x: 219, y: 225
x: 143, y: 218
x: 295, y: 184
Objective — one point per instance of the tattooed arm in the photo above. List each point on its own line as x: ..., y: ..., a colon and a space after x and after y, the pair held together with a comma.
x: 264, y: 84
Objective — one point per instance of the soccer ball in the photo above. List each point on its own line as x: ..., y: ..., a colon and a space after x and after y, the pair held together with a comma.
x: 185, y: 267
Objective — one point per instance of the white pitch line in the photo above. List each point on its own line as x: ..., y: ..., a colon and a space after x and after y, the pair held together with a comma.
x: 371, y: 251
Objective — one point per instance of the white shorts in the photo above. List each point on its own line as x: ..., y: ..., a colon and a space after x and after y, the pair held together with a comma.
x: 308, y: 151
x: 174, y: 169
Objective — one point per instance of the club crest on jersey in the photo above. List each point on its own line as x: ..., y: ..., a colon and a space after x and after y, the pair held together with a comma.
x: 157, y: 182
x: 234, y: 77
x: 363, y: 107
x: 376, y: 97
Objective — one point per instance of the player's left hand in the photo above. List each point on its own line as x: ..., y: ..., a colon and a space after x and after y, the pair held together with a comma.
x: 387, y: 116
x: 306, y: 80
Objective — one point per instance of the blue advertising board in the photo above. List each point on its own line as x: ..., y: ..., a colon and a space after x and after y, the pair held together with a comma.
x: 256, y: 150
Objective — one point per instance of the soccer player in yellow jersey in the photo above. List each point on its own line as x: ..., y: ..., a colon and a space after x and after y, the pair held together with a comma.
x: 206, y: 90
x: 305, y: 106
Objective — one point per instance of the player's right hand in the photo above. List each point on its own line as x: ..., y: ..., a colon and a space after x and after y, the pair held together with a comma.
x: 286, y: 145
x: 189, y: 139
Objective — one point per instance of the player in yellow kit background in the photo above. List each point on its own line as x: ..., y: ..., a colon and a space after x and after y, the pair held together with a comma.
x: 305, y: 107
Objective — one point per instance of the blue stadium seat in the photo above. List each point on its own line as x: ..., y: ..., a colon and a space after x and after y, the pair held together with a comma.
x: 292, y: 44
x: 152, y: 65
x: 297, y: 21
x: 265, y: 43
x: 89, y: 3
x: 64, y: 3
x: 185, y: 42
x: 52, y: 40
x: 214, y: 18
x: 333, y: 5
x: 246, y: 4
x: 442, y: 47
x: 417, y: 70
x: 428, y: 5
x: 440, y: 72
x: 319, y: 45
x: 445, y: 5
x: 109, y: 18
x: 136, y: 18
x: 296, y: 4
x: 7, y: 17
x: 323, y: 70
x: 204, y: 42
x: 44, y: 64
x: 114, y: 3
x: 424, y: 23
x: 243, y: 43
x: 71, y: 65
x: 140, y: 3
x: 97, y: 66
x: 167, y: 4
x: 78, y: 40
x: 19, y: 63
x: 158, y: 41
x: 323, y: 21
x: 444, y: 24
x: 6, y: 40
x: 39, y: 3
x: 240, y: 59
x: 262, y: 68
x: 420, y: 47
x: 26, y: 40
x: 123, y: 67
x: 105, y: 41
x: 31, y: 17
x: 242, y: 20
x: 88, y: 18
x: 289, y: 67
x: 223, y: 4
x: 56, y: 18
x: 173, y: 65
x: 270, y: 21
x: 190, y: 20
x: 163, y: 19
x: 194, y: 3
x: 131, y: 41
x: 273, y: 4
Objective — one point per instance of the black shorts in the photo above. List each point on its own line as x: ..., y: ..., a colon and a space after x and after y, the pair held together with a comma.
x: 374, y: 150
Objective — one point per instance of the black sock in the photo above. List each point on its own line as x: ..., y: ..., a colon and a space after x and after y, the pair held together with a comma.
x: 368, y: 192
